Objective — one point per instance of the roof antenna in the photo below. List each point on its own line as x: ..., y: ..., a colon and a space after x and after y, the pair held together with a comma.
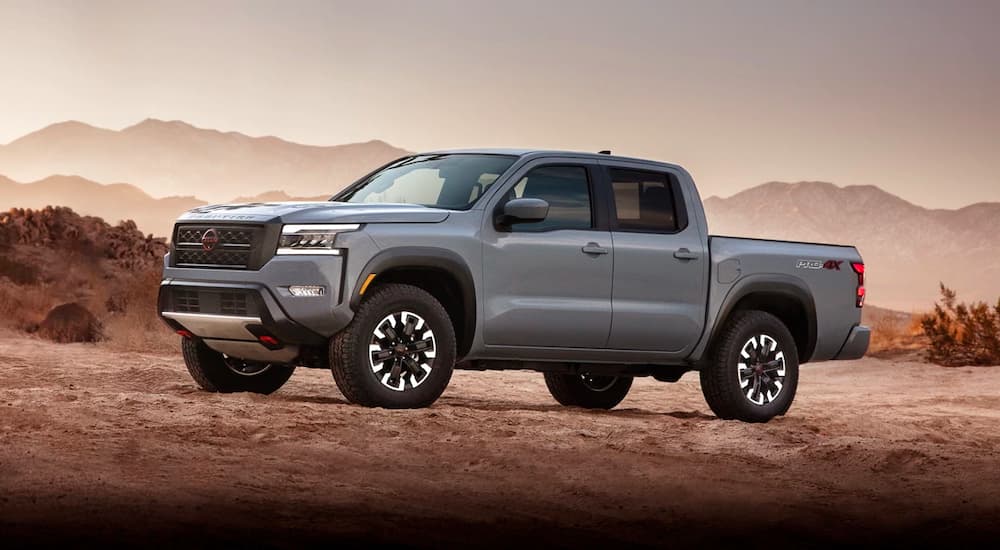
x: 604, y: 152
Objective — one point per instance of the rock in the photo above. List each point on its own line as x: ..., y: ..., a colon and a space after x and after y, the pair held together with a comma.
x: 70, y: 323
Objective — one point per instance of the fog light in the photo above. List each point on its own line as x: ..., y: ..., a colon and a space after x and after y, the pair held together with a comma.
x: 307, y: 290
x: 269, y: 341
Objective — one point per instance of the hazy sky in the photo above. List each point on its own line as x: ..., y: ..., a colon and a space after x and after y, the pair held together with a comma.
x: 904, y: 95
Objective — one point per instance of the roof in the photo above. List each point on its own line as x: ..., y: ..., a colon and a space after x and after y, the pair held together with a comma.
x: 541, y: 153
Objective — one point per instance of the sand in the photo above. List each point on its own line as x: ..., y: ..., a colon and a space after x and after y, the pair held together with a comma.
x: 98, y: 446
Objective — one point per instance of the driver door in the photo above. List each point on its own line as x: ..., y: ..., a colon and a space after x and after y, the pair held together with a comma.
x: 548, y: 283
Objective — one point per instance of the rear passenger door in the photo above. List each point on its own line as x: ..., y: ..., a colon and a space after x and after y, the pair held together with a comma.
x: 659, y: 289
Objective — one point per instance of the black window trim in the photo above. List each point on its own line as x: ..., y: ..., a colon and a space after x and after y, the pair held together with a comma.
x: 598, y: 198
x: 679, y: 204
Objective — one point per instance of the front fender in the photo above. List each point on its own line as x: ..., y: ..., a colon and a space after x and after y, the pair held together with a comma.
x: 424, y: 257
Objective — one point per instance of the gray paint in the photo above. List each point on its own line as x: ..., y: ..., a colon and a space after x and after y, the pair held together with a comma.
x: 539, y: 296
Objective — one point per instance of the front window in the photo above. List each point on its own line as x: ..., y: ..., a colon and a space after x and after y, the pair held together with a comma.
x: 452, y: 181
x: 566, y: 189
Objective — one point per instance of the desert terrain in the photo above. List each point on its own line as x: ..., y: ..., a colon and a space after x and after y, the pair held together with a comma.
x: 100, y: 446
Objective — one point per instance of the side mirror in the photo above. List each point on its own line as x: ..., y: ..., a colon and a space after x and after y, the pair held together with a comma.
x: 524, y: 211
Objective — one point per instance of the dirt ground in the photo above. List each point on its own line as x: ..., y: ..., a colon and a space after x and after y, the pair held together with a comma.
x: 98, y: 447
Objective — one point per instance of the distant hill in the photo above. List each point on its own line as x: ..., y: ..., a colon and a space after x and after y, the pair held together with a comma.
x: 113, y: 202
x: 175, y: 158
x: 116, y: 201
x: 907, y: 249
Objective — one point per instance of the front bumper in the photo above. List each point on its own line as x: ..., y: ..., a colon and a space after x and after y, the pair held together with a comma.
x: 856, y: 344
x: 230, y: 310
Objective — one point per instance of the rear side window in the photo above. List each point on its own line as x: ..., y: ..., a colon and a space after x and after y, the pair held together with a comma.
x: 644, y: 201
x: 566, y: 189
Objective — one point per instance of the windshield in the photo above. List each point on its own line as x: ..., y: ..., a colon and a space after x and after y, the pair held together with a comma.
x: 440, y: 181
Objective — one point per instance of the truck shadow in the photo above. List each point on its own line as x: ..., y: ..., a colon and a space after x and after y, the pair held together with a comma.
x: 472, y: 403
x: 507, y: 406
x: 318, y: 399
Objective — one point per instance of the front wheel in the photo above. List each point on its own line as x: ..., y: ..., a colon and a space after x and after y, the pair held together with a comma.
x: 216, y: 372
x: 753, y: 370
x: 398, y: 352
x: 589, y: 391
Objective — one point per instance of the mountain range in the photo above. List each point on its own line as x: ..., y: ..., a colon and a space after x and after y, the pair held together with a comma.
x: 908, y: 250
x: 173, y: 166
x: 174, y: 158
x: 113, y: 202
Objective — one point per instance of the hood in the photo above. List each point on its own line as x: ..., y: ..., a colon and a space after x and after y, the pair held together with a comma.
x: 316, y: 212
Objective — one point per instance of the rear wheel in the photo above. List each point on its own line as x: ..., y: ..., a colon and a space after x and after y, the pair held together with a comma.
x: 216, y: 372
x: 753, y: 371
x: 398, y: 352
x: 587, y: 390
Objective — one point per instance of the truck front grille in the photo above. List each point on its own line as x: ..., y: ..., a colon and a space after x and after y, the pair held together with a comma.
x: 209, y: 246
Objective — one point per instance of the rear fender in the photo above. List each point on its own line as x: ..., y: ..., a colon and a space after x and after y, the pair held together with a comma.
x: 764, y: 285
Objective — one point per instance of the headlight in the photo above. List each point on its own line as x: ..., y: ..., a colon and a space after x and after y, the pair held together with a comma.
x: 312, y: 239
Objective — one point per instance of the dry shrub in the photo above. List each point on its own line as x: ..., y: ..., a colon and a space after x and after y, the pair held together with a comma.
x: 70, y: 323
x: 962, y: 334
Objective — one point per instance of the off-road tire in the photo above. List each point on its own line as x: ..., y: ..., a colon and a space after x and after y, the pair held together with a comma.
x: 720, y: 378
x: 572, y: 391
x: 349, y: 349
x: 209, y: 369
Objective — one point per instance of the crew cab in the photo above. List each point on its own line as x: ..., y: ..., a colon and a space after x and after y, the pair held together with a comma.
x: 590, y: 268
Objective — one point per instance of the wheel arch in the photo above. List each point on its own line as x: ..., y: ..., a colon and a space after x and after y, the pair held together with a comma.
x: 787, y: 298
x: 441, y: 272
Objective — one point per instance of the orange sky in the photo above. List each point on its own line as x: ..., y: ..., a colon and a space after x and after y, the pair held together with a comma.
x: 904, y: 95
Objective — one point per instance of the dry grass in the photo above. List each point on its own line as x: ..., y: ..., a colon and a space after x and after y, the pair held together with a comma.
x: 893, y: 332
x: 24, y: 307
x: 126, y: 312
x: 132, y: 323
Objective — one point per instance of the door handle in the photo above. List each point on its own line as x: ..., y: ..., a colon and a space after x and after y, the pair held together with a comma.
x: 685, y: 254
x: 594, y: 248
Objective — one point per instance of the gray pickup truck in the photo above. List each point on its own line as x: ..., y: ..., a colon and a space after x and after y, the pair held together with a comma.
x: 590, y: 268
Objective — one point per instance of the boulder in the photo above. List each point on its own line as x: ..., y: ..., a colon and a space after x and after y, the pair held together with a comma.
x: 70, y: 323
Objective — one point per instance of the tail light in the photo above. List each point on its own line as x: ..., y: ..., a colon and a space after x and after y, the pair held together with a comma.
x: 185, y: 333
x: 859, y: 268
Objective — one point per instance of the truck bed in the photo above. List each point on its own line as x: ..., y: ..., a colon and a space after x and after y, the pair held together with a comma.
x: 823, y: 271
